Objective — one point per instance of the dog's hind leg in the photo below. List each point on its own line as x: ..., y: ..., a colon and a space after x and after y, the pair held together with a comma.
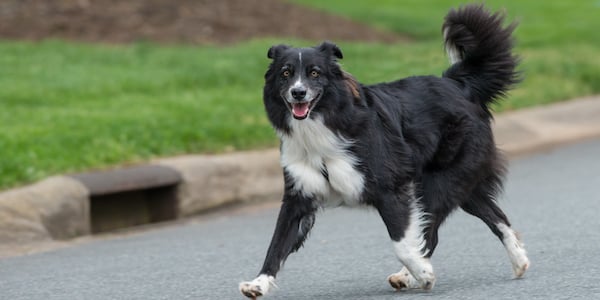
x: 483, y: 206
x: 404, y: 219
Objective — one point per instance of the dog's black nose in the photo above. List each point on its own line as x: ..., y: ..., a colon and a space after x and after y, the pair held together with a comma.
x: 298, y: 93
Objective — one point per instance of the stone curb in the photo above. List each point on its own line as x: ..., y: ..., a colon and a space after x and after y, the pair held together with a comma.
x: 210, y: 181
x: 536, y: 128
x: 58, y: 208
x: 54, y: 208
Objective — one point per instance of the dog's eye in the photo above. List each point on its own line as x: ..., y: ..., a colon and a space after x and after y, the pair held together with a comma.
x: 286, y: 73
x: 314, y: 74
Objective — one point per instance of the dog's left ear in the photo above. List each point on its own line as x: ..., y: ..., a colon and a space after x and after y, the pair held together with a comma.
x: 331, y: 49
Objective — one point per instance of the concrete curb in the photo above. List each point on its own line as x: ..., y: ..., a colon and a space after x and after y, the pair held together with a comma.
x: 54, y: 208
x: 536, y: 128
x: 58, y: 208
x: 210, y: 181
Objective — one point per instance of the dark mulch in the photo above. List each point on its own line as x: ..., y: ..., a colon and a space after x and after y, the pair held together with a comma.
x: 176, y: 21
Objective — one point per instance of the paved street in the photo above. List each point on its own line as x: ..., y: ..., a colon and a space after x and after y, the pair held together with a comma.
x: 552, y: 198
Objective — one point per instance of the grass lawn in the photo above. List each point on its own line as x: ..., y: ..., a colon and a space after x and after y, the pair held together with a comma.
x: 68, y: 107
x: 557, y: 40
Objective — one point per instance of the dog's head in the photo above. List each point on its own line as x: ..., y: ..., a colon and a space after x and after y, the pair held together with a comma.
x: 299, y: 77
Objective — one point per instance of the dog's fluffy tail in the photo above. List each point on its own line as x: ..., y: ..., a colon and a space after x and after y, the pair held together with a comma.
x: 479, y: 48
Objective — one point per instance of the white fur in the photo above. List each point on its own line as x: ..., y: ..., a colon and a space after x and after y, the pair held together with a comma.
x: 404, y: 279
x: 413, y: 240
x: 299, y: 84
x: 515, y: 250
x: 311, y: 94
x: 453, y: 53
x: 409, y: 249
x: 311, y: 148
x: 260, y: 286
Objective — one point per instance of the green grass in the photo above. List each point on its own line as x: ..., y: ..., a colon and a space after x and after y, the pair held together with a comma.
x: 557, y: 40
x: 68, y: 107
x: 541, y: 22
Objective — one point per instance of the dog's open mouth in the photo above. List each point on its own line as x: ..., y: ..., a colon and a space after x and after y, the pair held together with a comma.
x: 301, y: 110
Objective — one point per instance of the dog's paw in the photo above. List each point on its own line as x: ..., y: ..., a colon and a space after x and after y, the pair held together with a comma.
x: 515, y: 249
x: 427, y: 279
x: 260, y: 286
x: 251, y: 291
x: 520, y: 266
x: 405, y: 280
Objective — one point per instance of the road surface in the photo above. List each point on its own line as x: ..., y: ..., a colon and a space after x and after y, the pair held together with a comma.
x: 552, y: 198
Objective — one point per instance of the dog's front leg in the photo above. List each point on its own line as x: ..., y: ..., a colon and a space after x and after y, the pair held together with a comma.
x: 296, y: 218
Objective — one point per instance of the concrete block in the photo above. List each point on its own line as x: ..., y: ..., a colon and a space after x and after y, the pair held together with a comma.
x: 54, y: 208
x: 213, y: 180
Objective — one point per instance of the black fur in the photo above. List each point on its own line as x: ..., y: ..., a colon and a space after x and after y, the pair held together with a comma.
x: 424, y: 135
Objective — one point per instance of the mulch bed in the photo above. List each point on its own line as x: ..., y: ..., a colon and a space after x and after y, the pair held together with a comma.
x: 176, y: 21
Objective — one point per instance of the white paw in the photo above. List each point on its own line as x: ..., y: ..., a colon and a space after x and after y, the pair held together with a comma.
x: 515, y: 249
x: 425, y: 277
x: 404, y: 279
x: 260, y: 286
x: 518, y: 258
x: 520, y: 265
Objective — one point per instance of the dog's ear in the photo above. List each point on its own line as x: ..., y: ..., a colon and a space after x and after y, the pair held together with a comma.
x: 331, y: 49
x: 274, y: 51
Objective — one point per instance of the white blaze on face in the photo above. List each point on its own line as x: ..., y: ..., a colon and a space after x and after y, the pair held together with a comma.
x: 300, y: 107
x: 298, y: 84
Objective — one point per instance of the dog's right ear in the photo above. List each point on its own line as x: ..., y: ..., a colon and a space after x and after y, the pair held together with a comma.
x: 276, y: 50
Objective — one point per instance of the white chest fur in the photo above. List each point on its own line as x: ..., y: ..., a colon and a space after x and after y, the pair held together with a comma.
x: 309, y: 150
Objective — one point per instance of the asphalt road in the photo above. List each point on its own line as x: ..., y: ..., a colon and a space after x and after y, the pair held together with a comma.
x: 552, y: 198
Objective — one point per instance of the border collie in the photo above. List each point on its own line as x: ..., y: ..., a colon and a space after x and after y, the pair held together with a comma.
x: 414, y: 149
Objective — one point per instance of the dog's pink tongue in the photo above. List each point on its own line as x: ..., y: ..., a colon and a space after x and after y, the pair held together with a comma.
x: 300, y: 109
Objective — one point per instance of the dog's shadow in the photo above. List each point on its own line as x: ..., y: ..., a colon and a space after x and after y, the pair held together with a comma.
x: 367, y: 290
x: 357, y: 292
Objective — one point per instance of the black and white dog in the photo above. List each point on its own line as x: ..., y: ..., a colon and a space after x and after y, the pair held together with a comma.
x: 415, y: 149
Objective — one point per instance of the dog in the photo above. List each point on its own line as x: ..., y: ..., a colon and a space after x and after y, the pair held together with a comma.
x: 415, y: 149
